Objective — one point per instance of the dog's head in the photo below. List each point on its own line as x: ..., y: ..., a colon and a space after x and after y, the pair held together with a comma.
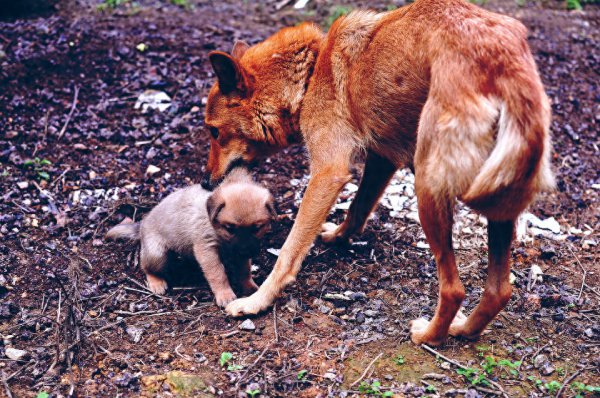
x: 240, y: 124
x: 253, y: 109
x: 241, y: 212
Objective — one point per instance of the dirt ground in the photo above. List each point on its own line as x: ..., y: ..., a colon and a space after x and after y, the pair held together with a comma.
x: 74, y: 158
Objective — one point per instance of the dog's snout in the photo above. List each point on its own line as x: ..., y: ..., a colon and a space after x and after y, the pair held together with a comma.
x: 206, y: 181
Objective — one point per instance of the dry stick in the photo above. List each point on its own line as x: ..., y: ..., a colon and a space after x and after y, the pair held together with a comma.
x: 6, y: 387
x: 73, y: 106
x: 254, y: 363
x: 583, y: 269
x: 570, y: 379
x: 459, y: 365
x: 364, y: 373
x: 275, y: 322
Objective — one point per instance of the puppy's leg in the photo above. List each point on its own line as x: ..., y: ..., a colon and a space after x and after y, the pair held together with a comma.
x: 376, y: 176
x: 247, y: 284
x: 328, y: 179
x: 435, y: 213
x: 153, y: 257
x: 214, y: 272
x: 497, y: 288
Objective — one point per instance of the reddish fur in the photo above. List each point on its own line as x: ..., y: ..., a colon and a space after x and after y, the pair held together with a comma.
x: 440, y: 85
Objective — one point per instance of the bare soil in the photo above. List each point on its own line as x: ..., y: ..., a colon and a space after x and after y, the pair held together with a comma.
x: 69, y: 78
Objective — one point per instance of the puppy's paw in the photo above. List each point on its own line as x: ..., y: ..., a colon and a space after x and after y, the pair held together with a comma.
x: 420, y: 333
x: 156, y: 285
x: 224, y: 298
x: 332, y: 233
x: 247, y: 306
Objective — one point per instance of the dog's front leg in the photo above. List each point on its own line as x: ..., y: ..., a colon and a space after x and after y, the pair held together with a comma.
x: 327, y: 181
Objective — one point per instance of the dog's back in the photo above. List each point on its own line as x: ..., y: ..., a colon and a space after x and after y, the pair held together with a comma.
x: 484, y: 135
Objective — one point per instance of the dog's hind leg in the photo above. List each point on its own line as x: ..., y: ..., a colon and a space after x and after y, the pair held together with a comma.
x: 497, y: 288
x: 153, y: 258
x: 435, y: 213
x: 376, y: 176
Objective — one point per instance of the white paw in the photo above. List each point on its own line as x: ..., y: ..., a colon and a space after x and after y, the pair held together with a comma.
x: 224, y: 298
x: 156, y: 285
x: 246, y: 306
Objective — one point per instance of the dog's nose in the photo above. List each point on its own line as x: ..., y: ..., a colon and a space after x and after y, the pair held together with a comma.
x: 205, y: 182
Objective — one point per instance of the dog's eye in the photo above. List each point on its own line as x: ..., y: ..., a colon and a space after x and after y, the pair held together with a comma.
x: 214, y: 132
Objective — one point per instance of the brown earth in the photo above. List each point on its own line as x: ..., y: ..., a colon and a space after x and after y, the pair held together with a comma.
x: 78, y: 306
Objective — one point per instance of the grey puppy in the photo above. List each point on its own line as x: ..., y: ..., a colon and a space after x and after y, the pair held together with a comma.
x: 226, y: 225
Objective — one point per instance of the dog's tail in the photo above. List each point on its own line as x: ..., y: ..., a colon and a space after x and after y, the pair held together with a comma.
x: 520, y: 160
x: 129, y: 231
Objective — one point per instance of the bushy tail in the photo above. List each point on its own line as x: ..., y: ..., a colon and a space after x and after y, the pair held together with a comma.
x: 124, y: 231
x: 521, y: 158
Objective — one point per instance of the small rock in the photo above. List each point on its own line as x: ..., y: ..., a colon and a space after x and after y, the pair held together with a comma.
x: 23, y: 184
x: 589, y: 332
x: 371, y: 313
x: 324, y: 309
x: 135, y: 333
x: 124, y: 380
x: 79, y: 147
x: 358, y: 296
x: 360, y: 318
x: 547, y: 252
x: 329, y: 376
x: 11, y: 134
x: 247, y: 325
x: 539, y: 361
x: 151, y: 170
x: 16, y: 354
x: 547, y: 369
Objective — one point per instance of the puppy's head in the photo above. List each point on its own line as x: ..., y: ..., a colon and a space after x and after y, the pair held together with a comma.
x: 240, y: 211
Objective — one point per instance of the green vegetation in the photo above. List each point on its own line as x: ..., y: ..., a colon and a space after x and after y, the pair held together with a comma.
x: 38, y: 166
x: 335, y: 13
x: 399, y: 360
x: 374, y: 389
x: 581, y: 389
x: 225, y: 358
x: 253, y: 393
x: 302, y: 374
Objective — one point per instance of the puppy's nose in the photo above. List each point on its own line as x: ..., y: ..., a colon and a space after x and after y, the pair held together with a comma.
x: 205, y: 182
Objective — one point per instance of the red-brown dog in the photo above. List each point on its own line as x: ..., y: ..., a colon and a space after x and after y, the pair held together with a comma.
x: 442, y: 86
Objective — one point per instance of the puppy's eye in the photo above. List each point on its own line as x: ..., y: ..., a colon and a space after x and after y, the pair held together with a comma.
x: 214, y: 132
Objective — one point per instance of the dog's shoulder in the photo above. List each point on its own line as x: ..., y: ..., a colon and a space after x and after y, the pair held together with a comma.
x: 353, y: 33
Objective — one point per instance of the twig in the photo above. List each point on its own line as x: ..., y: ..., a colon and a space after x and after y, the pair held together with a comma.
x: 459, y: 365
x: 253, y: 363
x: 6, y: 387
x: 73, y: 106
x: 364, y: 373
x: 569, y: 380
x: 275, y: 322
x: 584, y: 272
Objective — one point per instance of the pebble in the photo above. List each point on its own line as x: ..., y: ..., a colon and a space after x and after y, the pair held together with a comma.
x: 247, y: 325
x: 371, y: 313
x: 151, y: 170
x: 539, y: 361
x: 23, y: 184
x: 547, y: 369
x: 547, y: 252
x: 135, y: 333
x: 360, y: 317
x: 15, y: 354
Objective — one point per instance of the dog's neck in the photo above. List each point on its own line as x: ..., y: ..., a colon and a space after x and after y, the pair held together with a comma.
x: 289, y: 56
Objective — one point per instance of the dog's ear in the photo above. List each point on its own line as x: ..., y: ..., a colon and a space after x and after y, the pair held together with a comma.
x: 229, y: 72
x: 239, y: 48
x: 214, y: 205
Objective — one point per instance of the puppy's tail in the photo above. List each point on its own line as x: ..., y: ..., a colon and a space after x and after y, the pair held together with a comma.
x: 130, y: 231
x: 519, y: 164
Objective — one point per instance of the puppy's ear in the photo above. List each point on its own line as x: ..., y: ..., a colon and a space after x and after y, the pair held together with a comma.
x: 229, y: 72
x: 214, y: 205
x: 270, y: 205
x: 239, y: 48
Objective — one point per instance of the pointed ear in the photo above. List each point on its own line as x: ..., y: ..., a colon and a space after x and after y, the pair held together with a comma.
x: 239, y: 48
x: 214, y: 205
x: 229, y: 72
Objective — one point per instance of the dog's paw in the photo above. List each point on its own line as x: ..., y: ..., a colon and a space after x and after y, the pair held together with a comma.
x: 224, y: 298
x: 332, y: 233
x: 458, y: 327
x: 420, y: 333
x: 246, y: 306
x: 156, y: 285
